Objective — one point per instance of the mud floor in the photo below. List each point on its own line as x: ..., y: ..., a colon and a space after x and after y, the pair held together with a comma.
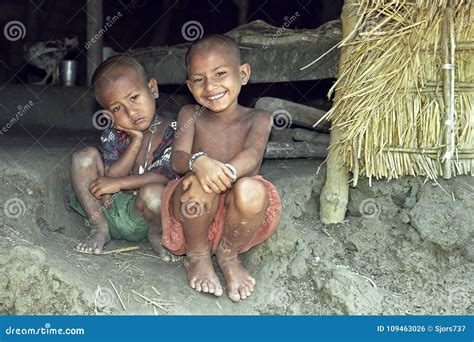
x: 405, y: 248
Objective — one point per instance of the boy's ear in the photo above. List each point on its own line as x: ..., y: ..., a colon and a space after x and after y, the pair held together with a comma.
x: 189, y: 84
x: 153, y: 86
x: 245, y: 73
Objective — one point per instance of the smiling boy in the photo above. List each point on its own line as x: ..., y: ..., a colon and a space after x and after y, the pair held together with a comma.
x: 221, y: 206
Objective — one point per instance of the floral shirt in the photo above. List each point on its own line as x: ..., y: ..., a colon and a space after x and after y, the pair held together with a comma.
x: 114, y: 143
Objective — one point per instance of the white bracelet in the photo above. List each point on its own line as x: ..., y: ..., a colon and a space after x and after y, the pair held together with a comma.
x: 193, y: 158
x: 233, y: 170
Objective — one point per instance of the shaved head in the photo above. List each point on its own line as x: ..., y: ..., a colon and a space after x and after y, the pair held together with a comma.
x: 115, y: 67
x: 214, y: 42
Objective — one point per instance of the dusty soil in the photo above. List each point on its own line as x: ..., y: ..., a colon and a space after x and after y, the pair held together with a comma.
x: 405, y: 248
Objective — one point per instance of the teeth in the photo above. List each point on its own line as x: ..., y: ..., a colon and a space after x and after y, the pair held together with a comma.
x: 215, y: 97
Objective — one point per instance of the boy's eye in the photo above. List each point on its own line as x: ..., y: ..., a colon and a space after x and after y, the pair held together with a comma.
x: 134, y: 97
x: 220, y: 73
x: 196, y: 80
x: 116, y: 109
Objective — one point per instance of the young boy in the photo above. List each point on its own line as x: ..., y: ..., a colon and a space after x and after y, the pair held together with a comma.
x: 134, y: 158
x: 221, y: 206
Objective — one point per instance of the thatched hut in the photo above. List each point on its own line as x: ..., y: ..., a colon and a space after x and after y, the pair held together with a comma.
x: 403, y: 100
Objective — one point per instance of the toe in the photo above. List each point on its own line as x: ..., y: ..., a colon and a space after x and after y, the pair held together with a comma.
x: 218, y: 290
x: 234, y: 295
x: 198, y: 287
x: 192, y: 283
x: 212, y: 288
x: 243, y: 293
x: 205, y: 287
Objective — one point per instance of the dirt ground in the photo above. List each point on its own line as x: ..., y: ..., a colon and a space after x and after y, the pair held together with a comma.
x: 406, y: 247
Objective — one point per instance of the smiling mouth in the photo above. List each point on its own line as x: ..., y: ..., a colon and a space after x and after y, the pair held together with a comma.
x: 216, y: 96
x: 138, y: 121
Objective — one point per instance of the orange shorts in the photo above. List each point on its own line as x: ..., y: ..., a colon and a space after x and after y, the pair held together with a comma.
x: 173, y: 236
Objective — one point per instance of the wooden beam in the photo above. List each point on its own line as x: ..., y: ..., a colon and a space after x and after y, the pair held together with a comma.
x: 294, y: 150
x: 94, y: 39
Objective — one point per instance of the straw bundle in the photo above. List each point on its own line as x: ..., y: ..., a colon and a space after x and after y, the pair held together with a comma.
x: 404, y: 97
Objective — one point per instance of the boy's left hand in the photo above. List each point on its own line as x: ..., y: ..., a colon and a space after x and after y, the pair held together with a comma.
x: 104, y: 185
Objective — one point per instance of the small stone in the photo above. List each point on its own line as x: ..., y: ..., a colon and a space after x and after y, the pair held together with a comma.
x: 29, y: 192
x: 351, y: 246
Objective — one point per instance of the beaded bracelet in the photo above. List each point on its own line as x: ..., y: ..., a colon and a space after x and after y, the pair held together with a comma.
x: 193, y: 158
x: 233, y: 170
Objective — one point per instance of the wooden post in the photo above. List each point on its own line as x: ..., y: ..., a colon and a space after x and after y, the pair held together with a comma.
x: 94, y: 38
x: 448, y: 89
x: 335, y: 192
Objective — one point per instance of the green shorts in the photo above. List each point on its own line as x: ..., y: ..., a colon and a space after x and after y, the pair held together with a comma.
x: 123, y: 220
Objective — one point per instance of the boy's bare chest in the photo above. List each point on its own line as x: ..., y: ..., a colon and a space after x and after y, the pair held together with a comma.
x: 221, y: 142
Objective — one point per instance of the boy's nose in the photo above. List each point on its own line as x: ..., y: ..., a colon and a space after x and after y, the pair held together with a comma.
x: 132, y: 111
x: 210, y: 84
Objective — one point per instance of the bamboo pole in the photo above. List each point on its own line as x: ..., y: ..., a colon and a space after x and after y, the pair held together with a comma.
x: 335, y: 193
x: 94, y: 25
x: 448, y: 89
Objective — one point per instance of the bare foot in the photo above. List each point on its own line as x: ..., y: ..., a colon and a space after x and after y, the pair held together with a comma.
x: 96, y: 240
x: 154, y: 236
x: 201, y: 275
x: 240, y: 283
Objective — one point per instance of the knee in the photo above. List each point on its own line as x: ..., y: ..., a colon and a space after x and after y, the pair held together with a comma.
x: 250, y: 195
x: 85, y: 157
x: 151, y: 195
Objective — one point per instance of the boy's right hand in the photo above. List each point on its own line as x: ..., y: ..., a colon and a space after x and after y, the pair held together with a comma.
x: 213, y: 175
x: 133, y: 134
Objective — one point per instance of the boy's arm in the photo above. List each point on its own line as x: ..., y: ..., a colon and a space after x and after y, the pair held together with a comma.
x: 110, y: 185
x: 213, y: 175
x: 183, y: 140
x: 247, y: 160
x: 122, y: 166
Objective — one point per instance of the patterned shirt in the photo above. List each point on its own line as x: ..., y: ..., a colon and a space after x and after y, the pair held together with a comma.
x: 114, y: 143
